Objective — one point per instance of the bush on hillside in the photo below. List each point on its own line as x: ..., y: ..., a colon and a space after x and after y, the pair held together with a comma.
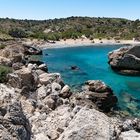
x: 17, y: 33
x: 2, y: 46
x: 4, y: 70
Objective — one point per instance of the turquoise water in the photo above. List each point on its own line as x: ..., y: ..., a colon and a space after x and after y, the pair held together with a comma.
x: 93, y: 65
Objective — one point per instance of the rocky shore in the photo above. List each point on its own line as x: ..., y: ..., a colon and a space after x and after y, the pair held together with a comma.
x: 36, y: 104
x: 126, y: 60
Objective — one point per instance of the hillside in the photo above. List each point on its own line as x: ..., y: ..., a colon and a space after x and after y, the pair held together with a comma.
x: 72, y: 27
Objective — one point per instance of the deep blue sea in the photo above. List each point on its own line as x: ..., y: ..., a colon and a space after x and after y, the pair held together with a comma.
x: 93, y: 65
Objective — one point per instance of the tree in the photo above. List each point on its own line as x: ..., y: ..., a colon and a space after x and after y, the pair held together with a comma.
x: 18, y: 33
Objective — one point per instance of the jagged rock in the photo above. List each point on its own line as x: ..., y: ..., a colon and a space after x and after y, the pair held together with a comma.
x: 43, y: 67
x: 51, y: 103
x: 65, y: 89
x: 39, y: 72
x: 128, y: 125
x: 43, y: 91
x: 98, y: 86
x: 53, y: 135
x: 100, y: 94
x: 29, y: 49
x: 14, y: 125
x: 88, y: 124
x: 65, y: 92
x: 17, y: 66
x: 53, y: 125
x: 17, y: 58
x: 21, y: 78
x: 56, y: 87
x: 33, y: 61
x: 129, y: 135
x: 47, y: 78
x: 5, y: 61
x: 41, y: 136
x: 126, y: 60
x: 32, y: 66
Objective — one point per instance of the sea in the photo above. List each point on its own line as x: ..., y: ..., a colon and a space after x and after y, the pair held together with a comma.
x: 92, y: 64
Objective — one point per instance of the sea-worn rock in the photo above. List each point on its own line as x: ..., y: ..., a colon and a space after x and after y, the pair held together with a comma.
x: 43, y: 67
x: 97, y: 86
x: 65, y: 92
x: 30, y: 49
x: 126, y: 60
x: 100, y: 94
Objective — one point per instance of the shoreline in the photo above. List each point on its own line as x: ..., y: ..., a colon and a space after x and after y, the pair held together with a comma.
x: 85, y: 42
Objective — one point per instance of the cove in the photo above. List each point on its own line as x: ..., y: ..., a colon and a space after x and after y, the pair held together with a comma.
x: 92, y: 62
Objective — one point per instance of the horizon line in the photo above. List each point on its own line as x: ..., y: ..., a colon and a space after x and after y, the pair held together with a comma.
x: 69, y: 17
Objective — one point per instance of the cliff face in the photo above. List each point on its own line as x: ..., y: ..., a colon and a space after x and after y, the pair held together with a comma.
x: 126, y: 60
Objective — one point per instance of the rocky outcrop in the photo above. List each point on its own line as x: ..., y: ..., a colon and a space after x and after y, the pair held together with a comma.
x: 130, y: 135
x: 89, y: 124
x: 12, y: 53
x: 21, y: 78
x: 14, y: 124
x: 96, y: 93
x: 38, y: 105
x: 126, y: 60
x: 49, y: 116
x: 30, y: 49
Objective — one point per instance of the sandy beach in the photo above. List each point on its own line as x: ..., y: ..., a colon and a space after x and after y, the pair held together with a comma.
x: 79, y: 42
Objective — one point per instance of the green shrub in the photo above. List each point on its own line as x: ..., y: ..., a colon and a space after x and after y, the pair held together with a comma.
x: 39, y: 35
x: 4, y: 70
x: 2, y: 46
x: 18, y: 33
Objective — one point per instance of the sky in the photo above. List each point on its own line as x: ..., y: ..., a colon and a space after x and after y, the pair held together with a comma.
x: 50, y: 9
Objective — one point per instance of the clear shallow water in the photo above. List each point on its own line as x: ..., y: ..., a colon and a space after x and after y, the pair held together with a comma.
x: 92, y: 61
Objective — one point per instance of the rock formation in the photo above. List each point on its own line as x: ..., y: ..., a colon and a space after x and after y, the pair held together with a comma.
x: 30, y: 49
x: 96, y: 93
x: 37, y: 105
x: 126, y: 60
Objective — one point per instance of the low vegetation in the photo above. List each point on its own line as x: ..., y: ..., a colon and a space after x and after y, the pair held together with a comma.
x: 72, y: 27
x: 4, y: 70
x: 2, y: 46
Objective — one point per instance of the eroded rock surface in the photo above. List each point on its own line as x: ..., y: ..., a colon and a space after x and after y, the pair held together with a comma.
x: 126, y: 60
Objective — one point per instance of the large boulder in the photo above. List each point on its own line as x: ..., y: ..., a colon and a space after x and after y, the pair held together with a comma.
x: 48, y: 78
x: 129, y: 135
x: 98, y: 93
x: 21, y: 78
x: 126, y: 60
x: 12, y: 53
x: 30, y: 49
x: 65, y: 92
x: 88, y: 124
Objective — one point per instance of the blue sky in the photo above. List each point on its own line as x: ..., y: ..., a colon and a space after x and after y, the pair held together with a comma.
x: 49, y: 9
